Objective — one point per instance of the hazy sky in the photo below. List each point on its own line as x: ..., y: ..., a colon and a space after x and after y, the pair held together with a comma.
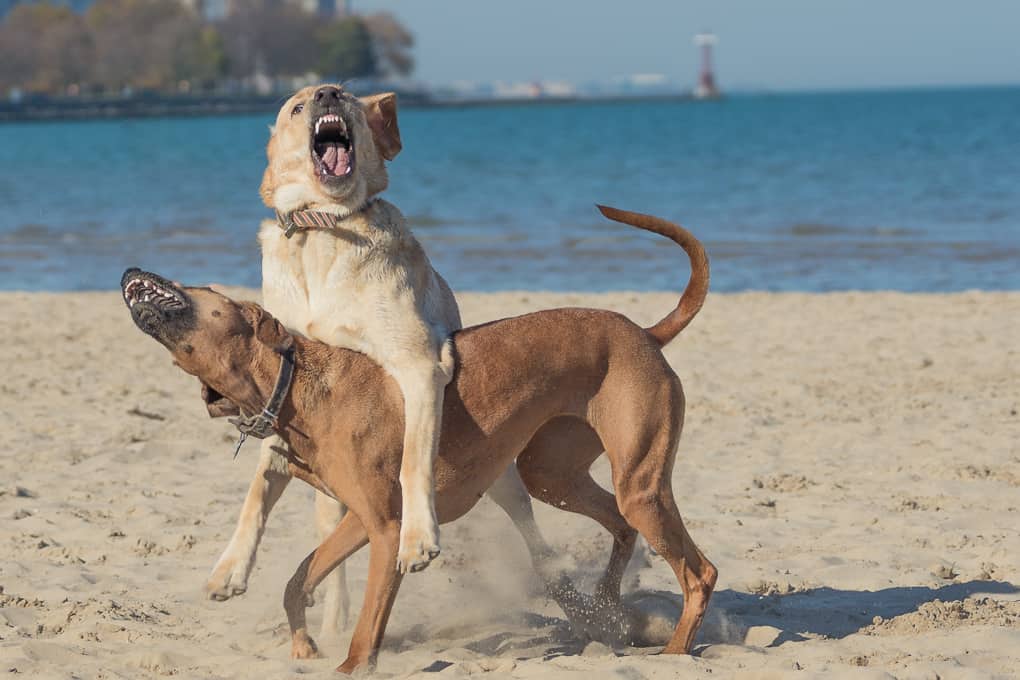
x: 781, y: 44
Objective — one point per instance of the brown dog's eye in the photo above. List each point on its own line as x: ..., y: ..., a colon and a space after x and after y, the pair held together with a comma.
x: 297, y: 109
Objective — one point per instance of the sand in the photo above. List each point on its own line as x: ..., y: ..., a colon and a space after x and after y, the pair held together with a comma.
x: 850, y: 463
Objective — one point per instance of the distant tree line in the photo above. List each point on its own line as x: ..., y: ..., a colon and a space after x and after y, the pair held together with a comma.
x: 163, y: 45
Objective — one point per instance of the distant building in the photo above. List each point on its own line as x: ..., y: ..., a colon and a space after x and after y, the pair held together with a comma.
x: 78, y: 6
x: 211, y: 10
x: 325, y: 8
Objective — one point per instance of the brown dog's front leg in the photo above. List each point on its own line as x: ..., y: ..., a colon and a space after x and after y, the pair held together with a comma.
x: 380, y: 593
x: 345, y: 540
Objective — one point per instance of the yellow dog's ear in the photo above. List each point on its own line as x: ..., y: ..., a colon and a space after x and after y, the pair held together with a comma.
x: 268, y: 186
x: 381, y: 113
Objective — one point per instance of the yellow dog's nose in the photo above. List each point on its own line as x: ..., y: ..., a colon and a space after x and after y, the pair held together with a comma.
x: 327, y: 94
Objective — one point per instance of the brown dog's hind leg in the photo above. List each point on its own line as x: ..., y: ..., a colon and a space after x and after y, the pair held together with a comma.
x: 336, y: 605
x: 554, y: 467
x: 345, y: 540
x: 380, y: 593
x: 655, y: 515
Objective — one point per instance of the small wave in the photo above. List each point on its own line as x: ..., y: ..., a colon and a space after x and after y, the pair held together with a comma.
x: 816, y: 229
x: 995, y: 254
x: 29, y: 233
x: 891, y: 231
x: 583, y: 242
x: 24, y: 255
x: 84, y: 235
x: 822, y: 229
x: 426, y: 221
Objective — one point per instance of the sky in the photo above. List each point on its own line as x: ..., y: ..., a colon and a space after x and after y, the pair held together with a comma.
x: 772, y: 44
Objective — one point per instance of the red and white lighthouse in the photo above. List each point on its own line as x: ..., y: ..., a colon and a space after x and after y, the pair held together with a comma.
x: 706, y: 88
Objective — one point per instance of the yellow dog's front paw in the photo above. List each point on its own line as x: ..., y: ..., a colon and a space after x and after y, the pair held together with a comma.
x: 227, y: 580
x: 302, y: 646
x: 418, y: 547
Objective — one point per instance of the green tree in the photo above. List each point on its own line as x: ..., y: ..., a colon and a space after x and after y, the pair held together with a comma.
x: 203, y: 61
x: 346, y: 51
x: 270, y: 36
x: 156, y: 44
x: 43, y: 48
x: 138, y: 42
x: 391, y: 43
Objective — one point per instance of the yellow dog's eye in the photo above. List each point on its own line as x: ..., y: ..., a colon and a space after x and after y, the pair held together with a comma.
x: 297, y: 109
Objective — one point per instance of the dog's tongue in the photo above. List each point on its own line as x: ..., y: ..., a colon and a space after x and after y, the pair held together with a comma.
x: 335, y: 159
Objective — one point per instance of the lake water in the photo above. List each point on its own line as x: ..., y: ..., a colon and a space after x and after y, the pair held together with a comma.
x: 913, y: 190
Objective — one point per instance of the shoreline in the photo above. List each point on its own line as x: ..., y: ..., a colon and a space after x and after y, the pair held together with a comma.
x: 61, y: 109
x: 146, y: 105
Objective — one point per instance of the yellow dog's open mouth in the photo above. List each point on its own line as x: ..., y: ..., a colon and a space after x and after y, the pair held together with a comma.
x: 332, y: 151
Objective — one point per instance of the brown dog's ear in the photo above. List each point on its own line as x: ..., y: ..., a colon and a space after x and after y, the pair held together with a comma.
x: 381, y: 112
x: 218, y: 405
x: 268, y: 330
x: 268, y: 186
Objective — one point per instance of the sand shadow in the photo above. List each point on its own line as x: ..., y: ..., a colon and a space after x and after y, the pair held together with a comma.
x: 826, y: 612
x: 798, y: 616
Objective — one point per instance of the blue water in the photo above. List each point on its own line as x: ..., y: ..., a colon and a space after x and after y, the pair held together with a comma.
x: 914, y: 190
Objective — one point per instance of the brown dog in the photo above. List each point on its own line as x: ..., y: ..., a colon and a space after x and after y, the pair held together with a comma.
x: 549, y: 389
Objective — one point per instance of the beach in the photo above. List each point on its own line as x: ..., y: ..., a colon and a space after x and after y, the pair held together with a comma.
x: 850, y: 462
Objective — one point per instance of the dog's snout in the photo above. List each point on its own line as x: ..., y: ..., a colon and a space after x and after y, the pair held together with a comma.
x: 327, y: 94
x: 128, y: 273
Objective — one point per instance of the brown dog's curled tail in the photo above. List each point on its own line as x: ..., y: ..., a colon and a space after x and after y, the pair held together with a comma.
x: 697, y: 285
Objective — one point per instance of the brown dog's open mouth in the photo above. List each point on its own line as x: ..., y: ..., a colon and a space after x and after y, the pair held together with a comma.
x: 218, y: 405
x: 142, y: 288
x: 159, y: 307
x: 332, y: 150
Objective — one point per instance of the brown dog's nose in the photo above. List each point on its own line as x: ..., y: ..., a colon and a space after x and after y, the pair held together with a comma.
x: 327, y: 94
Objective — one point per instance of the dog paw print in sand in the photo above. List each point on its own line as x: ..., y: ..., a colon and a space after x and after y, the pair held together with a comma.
x: 783, y: 483
x: 148, y: 548
x: 989, y: 473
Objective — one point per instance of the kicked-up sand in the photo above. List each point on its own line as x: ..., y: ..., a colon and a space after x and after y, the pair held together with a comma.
x: 850, y: 462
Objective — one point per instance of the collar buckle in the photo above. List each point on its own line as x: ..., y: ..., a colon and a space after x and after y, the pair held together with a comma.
x: 265, y: 423
x: 286, y: 222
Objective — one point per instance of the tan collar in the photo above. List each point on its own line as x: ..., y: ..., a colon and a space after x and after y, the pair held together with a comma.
x: 312, y: 219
